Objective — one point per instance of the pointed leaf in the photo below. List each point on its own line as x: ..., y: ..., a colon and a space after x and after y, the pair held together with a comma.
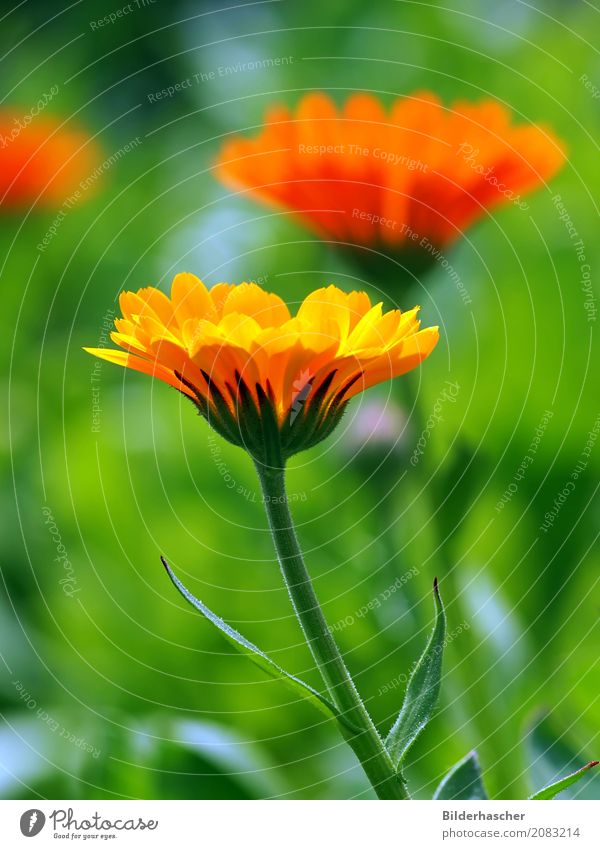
x: 422, y: 690
x: 261, y: 660
x: 463, y: 781
x: 553, y: 790
x: 551, y: 754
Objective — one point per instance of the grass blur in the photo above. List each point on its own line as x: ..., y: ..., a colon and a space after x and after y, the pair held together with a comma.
x: 110, y: 687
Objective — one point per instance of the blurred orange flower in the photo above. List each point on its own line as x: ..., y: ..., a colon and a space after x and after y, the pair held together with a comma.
x: 237, y: 352
x: 39, y: 161
x: 366, y: 175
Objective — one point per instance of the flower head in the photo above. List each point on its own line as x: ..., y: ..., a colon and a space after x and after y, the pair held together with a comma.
x: 267, y: 381
x: 39, y: 161
x: 414, y: 175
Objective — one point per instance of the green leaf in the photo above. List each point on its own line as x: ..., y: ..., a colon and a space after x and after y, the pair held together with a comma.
x: 422, y: 690
x: 553, y: 790
x: 262, y: 660
x: 551, y: 755
x: 464, y: 781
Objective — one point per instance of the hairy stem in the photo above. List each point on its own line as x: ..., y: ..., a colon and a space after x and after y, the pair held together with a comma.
x: 366, y: 742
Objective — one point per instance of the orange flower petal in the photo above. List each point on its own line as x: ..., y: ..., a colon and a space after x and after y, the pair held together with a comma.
x: 374, y: 177
x: 252, y: 337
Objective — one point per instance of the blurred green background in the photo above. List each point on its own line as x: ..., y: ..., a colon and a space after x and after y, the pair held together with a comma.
x: 111, y: 687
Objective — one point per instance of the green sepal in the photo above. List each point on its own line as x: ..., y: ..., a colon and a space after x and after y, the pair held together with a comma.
x: 219, y: 415
x: 557, y: 787
x: 262, y: 660
x: 422, y: 690
x: 252, y: 424
x: 273, y: 456
x: 464, y: 781
x: 245, y: 409
x: 216, y: 410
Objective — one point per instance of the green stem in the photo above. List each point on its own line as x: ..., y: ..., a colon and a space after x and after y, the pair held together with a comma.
x: 366, y: 742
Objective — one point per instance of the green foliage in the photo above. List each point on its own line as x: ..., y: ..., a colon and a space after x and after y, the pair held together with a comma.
x: 155, y: 758
x: 552, y: 790
x: 422, y: 690
x: 464, y: 781
x: 259, y: 657
x: 552, y: 755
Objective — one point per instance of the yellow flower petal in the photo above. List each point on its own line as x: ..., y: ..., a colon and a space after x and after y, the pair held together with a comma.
x: 249, y: 299
x: 204, y: 343
x: 190, y: 298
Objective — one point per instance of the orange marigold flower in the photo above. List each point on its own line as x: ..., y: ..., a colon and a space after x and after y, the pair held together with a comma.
x: 269, y: 382
x: 39, y: 161
x: 389, y: 178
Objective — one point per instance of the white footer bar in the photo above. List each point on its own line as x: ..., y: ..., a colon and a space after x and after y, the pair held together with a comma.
x: 298, y: 825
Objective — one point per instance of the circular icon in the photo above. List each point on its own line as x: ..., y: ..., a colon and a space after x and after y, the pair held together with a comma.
x: 32, y: 822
